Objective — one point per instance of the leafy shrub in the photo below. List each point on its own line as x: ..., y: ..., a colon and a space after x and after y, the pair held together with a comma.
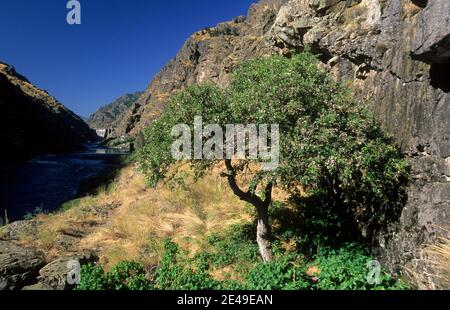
x: 286, y: 272
x: 92, y: 278
x: 123, y: 276
x: 233, y: 247
x: 178, y: 272
x: 128, y: 276
x: 37, y: 211
x: 341, y: 269
x: 138, y: 283
x: 172, y: 275
x: 346, y: 269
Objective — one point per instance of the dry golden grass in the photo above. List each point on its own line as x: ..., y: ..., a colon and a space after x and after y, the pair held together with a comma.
x: 439, y: 254
x: 147, y: 216
x: 226, y: 273
x: 435, y: 262
x: 47, y: 238
x: 129, y: 221
x: 354, y: 17
x: 51, y: 227
x: 202, y: 36
x: 410, y: 9
x: 313, y: 271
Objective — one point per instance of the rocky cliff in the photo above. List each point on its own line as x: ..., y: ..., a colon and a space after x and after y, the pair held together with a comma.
x: 33, y: 122
x: 112, y: 114
x: 208, y: 55
x: 395, y: 54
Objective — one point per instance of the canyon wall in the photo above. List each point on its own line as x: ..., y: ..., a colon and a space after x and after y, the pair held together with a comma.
x: 394, y: 54
x: 110, y: 115
x: 33, y: 122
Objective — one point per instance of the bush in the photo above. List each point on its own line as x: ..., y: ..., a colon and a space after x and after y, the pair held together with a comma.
x: 37, y: 211
x: 286, y: 272
x: 124, y: 276
x: 172, y: 275
x: 92, y: 278
x: 177, y: 272
x: 341, y: 269
x: 234, y: 247
x: 346, y: 269
x: 128, y: 276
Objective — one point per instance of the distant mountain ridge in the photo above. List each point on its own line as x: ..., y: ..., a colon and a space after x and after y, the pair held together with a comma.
x: 34, y: 122
x: 110, y: 115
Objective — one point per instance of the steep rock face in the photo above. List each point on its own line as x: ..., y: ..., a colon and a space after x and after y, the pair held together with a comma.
x: 207, y: 56
x: 111, y: 115
x: 33, y: 122
x: 393, y: 54
x: 18, y: 266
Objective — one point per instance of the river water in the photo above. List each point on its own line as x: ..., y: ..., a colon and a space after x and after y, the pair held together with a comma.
x: 46, y: 182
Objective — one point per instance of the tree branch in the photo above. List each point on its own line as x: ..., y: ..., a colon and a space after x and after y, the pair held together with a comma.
x: 268, y: 194
x: 247, y: 196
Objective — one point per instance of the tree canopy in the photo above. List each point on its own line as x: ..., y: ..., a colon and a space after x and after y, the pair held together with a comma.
x: 329, y: 144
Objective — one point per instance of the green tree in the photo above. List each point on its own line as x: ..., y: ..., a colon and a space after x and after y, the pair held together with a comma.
x: 329, y: 144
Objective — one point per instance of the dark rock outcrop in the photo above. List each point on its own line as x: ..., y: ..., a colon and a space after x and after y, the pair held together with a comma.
x: 395, y: 55
x: 24, y: 268
x: 112, y: 114
x: 38, y: 287
x: 33, y: 122
x: 432, y: 38
x: 19, y: 229
x: 208, y: 55
x: 18, y: 266
x: 54, y: 275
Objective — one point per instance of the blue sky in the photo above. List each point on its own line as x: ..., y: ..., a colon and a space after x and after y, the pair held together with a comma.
x: 118, y: 48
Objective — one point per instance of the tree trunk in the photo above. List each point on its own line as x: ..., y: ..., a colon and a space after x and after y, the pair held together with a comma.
x: 263, y: 234
x: 262, y: 207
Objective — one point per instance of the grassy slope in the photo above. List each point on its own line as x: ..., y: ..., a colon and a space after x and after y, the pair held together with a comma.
x: 129, y: 220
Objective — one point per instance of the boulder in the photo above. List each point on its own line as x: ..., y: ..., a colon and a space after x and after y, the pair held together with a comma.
x: 54, y: 274
x: 432, y: 35
x: 19, y: 230
x: 38, y: 287
x: 19, y: 266
x: 321, y: 5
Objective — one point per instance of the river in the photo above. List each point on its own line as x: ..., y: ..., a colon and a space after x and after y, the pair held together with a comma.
x: 46, y: 182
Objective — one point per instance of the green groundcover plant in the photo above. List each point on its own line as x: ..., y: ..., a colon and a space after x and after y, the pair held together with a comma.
x: 337, y: 269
